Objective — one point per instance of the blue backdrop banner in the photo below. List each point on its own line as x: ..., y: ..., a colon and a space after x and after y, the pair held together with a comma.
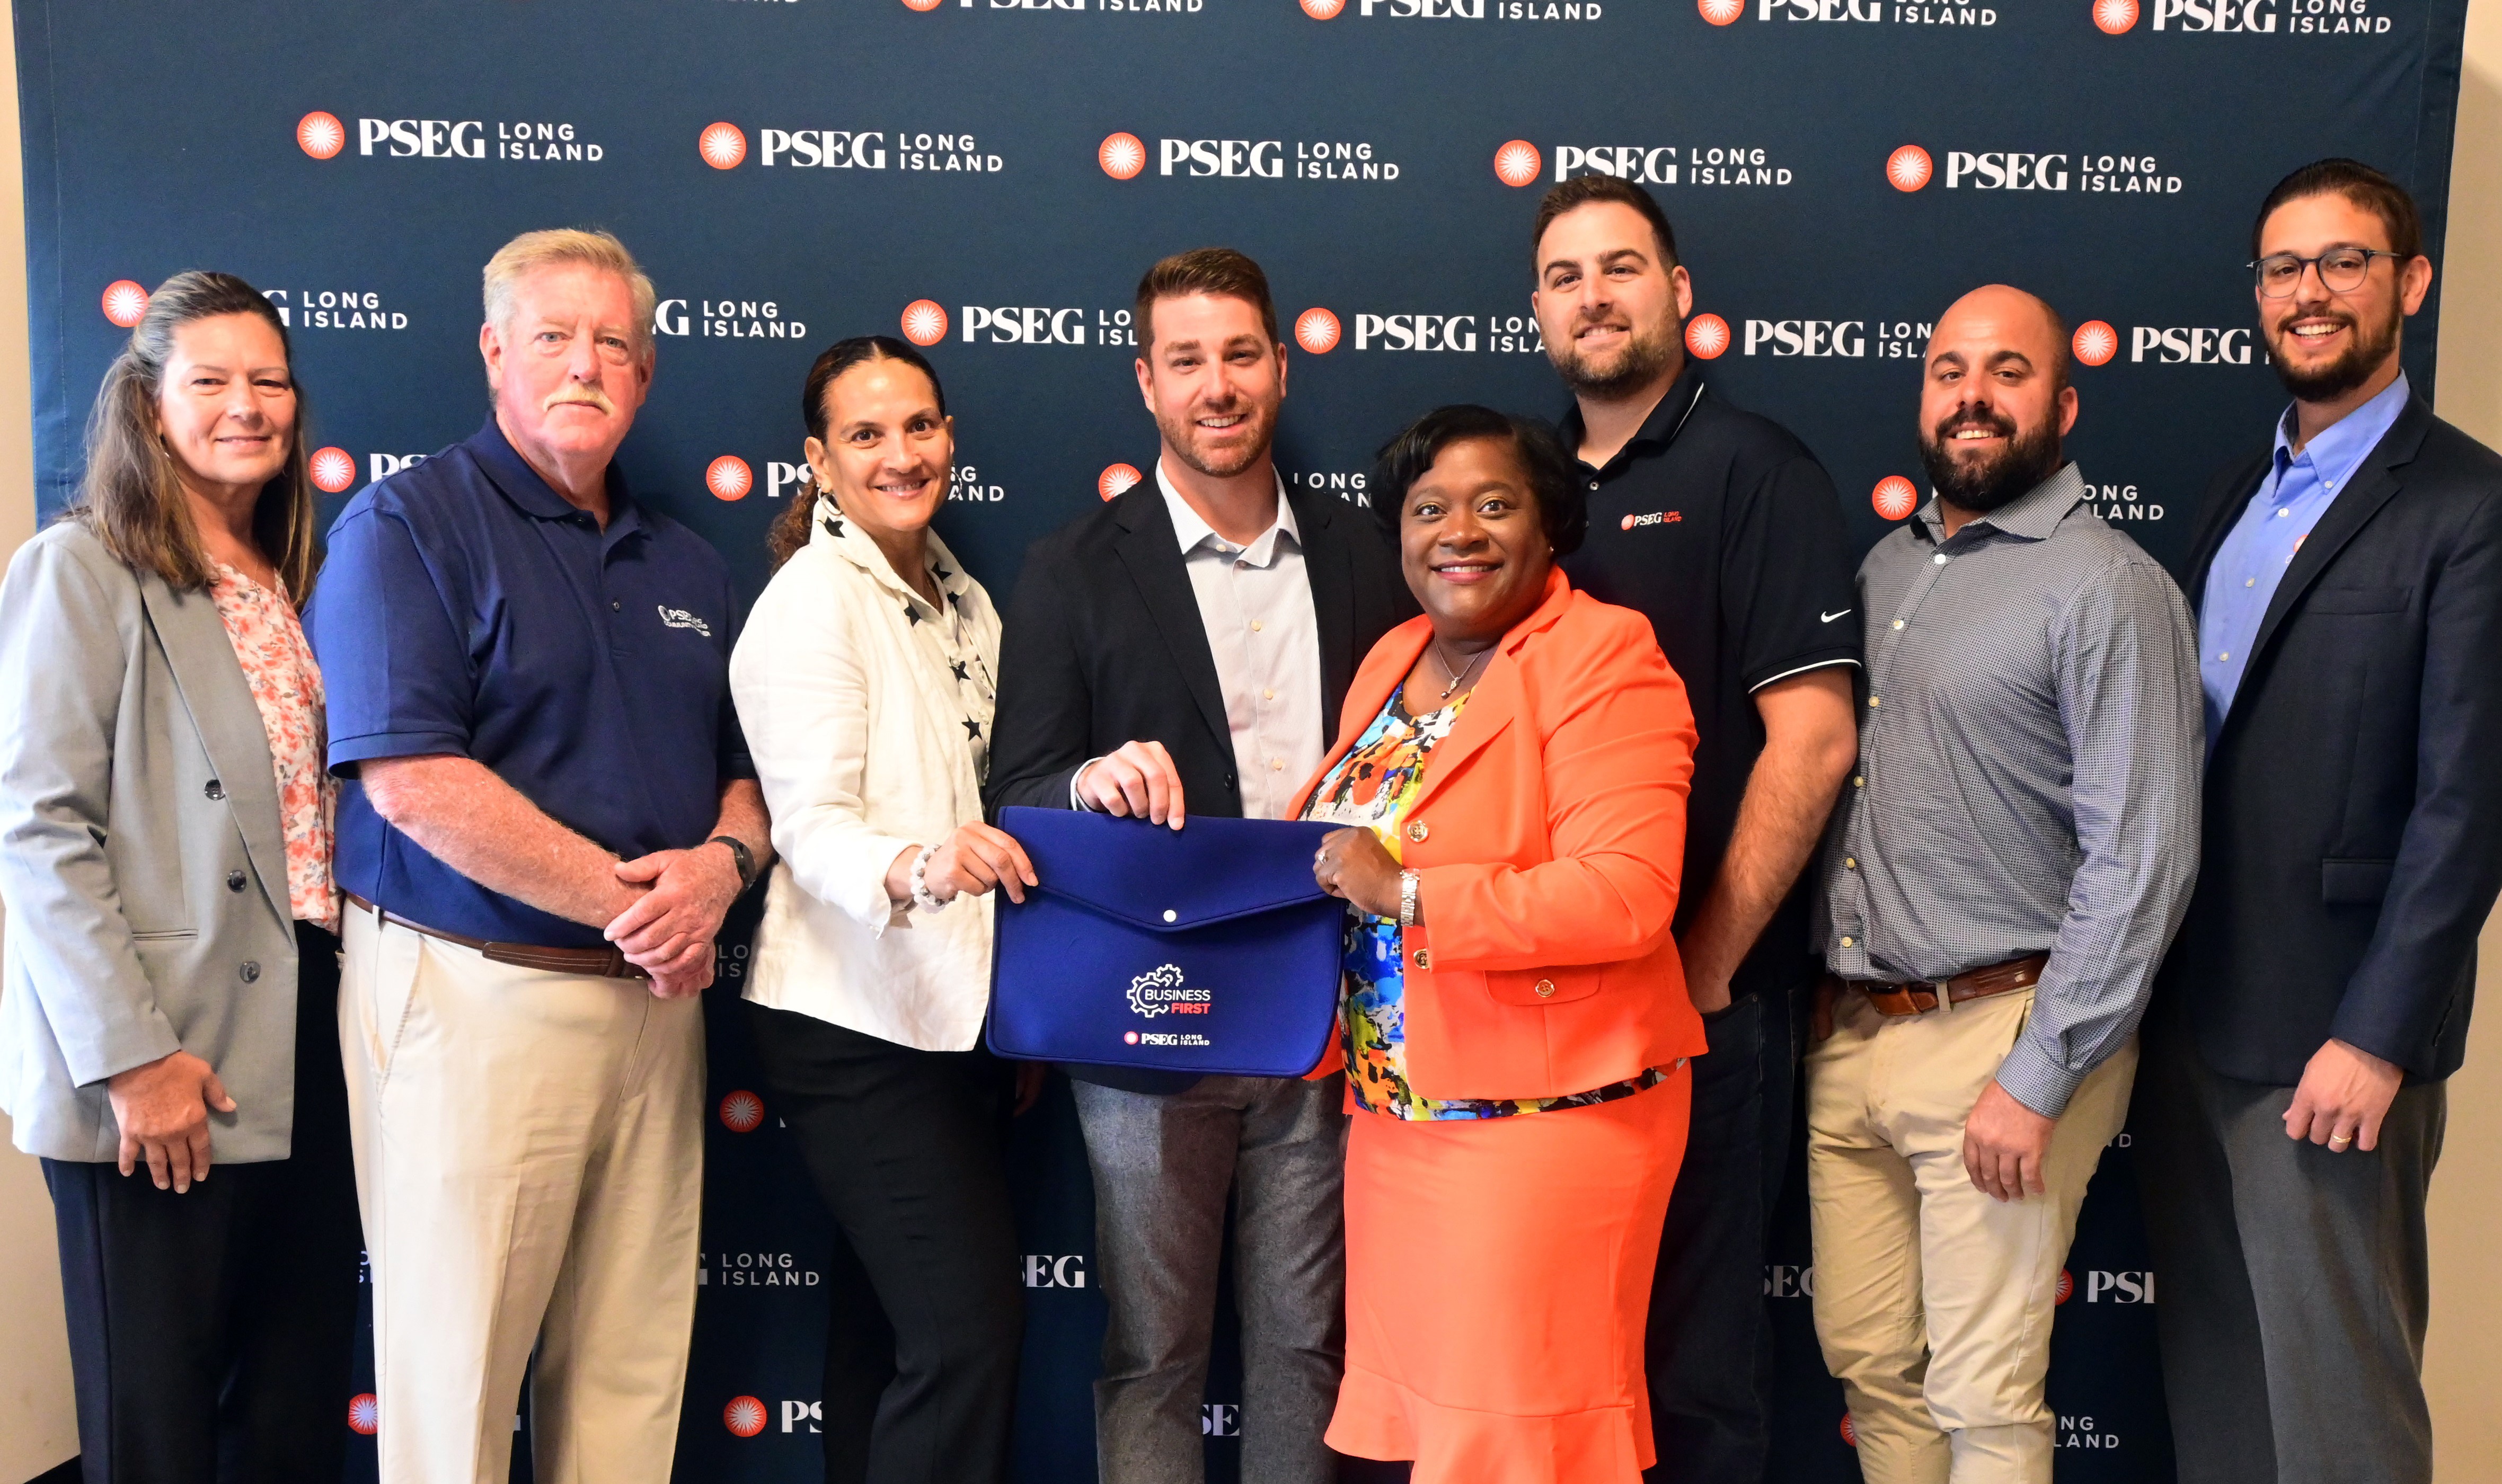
x: 989, y: 178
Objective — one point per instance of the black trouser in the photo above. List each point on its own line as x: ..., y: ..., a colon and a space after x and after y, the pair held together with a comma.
x: 1708, y: 1353
x: 212, y: 1332
x: 908, y: 1150
x: 2295, y: 1279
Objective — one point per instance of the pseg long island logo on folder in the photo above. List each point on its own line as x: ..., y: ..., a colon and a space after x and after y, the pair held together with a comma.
x: 1161, y: 991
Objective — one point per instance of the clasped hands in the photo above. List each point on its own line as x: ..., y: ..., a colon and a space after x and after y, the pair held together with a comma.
x: 679, y: 898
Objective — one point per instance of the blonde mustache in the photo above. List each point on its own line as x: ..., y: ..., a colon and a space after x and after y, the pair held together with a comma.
x: 593, y: 398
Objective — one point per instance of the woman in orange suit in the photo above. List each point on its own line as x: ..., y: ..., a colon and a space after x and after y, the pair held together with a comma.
x: 1512, y: 767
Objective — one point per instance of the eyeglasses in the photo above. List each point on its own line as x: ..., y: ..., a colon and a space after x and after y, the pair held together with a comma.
x: 2342, y: 270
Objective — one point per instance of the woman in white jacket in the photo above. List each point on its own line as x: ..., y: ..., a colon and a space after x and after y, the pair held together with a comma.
x: 864, y: 684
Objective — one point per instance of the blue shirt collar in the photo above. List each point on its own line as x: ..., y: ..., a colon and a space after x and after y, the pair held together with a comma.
x: 2342, y: 446
x: 522, y: 485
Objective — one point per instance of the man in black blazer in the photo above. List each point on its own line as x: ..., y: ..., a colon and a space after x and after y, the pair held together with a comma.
x: 2289, y: 1108
x: 1185, y: 648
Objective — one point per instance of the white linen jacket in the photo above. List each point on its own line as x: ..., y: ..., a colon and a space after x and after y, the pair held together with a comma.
x: 868, y: 713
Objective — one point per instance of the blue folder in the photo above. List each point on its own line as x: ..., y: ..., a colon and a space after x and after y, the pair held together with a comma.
x: 1203, y: 950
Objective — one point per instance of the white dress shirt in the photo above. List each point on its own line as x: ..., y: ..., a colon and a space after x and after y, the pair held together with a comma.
x: 868, y: 713
x: 1255, y: 603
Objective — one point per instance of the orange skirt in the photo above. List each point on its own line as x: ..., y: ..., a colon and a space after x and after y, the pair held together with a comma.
x: 1498, y: 1284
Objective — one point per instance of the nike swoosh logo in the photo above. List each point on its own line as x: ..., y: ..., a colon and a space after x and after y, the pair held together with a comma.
x: 1837, y: 613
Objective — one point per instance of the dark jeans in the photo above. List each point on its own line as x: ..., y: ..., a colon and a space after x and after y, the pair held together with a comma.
x: 212, y: 1332
x: 1710, y: 1349
x: 908, y: 1150
x: 2295, y: 1281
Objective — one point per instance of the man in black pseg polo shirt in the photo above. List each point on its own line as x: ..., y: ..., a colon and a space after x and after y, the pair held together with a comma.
x: 1723, y: 527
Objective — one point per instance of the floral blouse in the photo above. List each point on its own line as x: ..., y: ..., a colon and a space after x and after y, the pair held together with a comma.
x: 287, y: 686
x: 1373, y: 787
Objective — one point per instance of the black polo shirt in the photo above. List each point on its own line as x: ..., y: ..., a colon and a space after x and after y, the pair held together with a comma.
x: 1722, y: 529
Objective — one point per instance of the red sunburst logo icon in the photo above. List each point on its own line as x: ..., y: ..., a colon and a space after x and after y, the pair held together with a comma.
x: 1115, y: 478
x: 333, y: 470
x: 1129, y: 1037
x: 1322, y: 10
x: 2115, y: 15
x: 2095, y: 343
x: 1909, y: 168
x: 1517, y: 162
x: 364, y: 1412
x: 742, y: 1112
x: 1706, y: 336
x: 728, y: 478
x: 1122, y: 156
x: 1316, y: 331
x: 744, y: 1416
x: 1849, y: 1430
x: 1721, y: 13
x: 923, y: 4
x: 321, y: 135
x: 124, y: 302
x: 1894, y: 496
x: 925, y: 321
x: 722, y: 146
x: 2067, y: 1285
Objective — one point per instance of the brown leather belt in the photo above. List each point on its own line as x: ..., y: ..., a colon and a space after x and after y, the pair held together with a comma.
x: 589, y: 962
x: 1922, y: 996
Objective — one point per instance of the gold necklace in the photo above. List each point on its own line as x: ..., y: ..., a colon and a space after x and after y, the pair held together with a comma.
x: 1458, y: 677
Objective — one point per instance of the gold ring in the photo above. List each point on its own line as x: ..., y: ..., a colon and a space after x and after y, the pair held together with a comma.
x: 2340, y: 1139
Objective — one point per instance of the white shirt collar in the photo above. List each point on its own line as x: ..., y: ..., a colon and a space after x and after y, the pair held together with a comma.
x: 1192, y: 531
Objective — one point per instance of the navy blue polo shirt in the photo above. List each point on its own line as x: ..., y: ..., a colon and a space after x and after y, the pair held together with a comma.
x: 465, y: 608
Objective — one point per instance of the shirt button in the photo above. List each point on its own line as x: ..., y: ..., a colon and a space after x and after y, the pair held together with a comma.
x: 2250, y: 581
x: 251, y: 971
x: 2220, y: 658
x: 1859, y: 782
x: 1545, y: 988
x: 1255, y: 625
x: 1418, y: 832
x: 215, y: 790
x: 1872, y: 700
x: 1851, y: 863
x: 1268, y: 695
x: 1424, y: 959
x: 2287, y: 511
x: 615, y: 606
x: 234, y: 881
x: 1940, y: 559
x: 1898, y: 623
x: 1277, y: 764
x: 1845, y: 942
x: 1594, y: 484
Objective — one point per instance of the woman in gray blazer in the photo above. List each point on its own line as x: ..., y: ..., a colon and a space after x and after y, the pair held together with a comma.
x: 171, y: 975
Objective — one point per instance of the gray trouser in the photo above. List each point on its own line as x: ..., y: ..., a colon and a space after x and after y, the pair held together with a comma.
x: 1162, y: 1167
x: 2294, y: 1279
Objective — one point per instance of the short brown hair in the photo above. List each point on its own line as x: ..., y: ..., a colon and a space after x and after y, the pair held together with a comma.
x: 131, y: 496
x: 2368, y: 188
x: 1219, y: 270
x: 1590, y: 189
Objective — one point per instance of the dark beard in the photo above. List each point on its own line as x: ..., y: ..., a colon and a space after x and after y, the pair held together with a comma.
x: 1645, y: 357
x: 2024, y: 464
x: 2347, y: 371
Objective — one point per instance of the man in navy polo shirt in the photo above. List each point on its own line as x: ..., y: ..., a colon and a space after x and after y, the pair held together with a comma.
x: 547, y: 809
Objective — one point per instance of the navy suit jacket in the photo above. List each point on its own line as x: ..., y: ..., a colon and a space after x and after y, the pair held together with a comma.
x: 2354, y: 797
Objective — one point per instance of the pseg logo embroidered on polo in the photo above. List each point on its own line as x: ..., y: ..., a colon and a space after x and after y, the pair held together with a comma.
x: 679, y: 618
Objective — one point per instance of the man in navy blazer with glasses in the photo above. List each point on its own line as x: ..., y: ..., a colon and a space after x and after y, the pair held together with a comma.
x: 2290, y: 1102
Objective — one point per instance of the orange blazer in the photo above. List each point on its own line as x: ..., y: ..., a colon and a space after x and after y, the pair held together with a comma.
x: 1547, y: 839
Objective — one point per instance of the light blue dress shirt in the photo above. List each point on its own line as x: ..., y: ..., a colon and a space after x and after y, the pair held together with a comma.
x: 2297, y: 492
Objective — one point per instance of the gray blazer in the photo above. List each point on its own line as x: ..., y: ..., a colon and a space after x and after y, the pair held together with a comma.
x: 141, y: 857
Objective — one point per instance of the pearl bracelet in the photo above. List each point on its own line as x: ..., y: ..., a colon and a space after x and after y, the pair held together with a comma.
x: 921, y: 893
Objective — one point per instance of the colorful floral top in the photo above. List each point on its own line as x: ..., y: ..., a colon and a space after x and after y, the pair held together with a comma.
x: 286, y: 686
x: 1373, y: 787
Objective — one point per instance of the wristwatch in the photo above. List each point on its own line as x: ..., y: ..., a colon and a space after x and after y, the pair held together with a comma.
x: 739, y: 852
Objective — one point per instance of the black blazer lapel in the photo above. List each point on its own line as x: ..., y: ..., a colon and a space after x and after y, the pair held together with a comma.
x: 1151, y: 549
x: 2372, y: 487
x: 1326, y: 565
x: 2226, y: 499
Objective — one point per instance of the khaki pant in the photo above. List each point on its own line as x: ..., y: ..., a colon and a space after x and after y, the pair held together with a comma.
x: 529, y: 1158
x: 1933, y: 1301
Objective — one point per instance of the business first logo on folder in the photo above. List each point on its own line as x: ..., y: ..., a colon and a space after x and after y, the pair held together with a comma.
x: 1208, y: 949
